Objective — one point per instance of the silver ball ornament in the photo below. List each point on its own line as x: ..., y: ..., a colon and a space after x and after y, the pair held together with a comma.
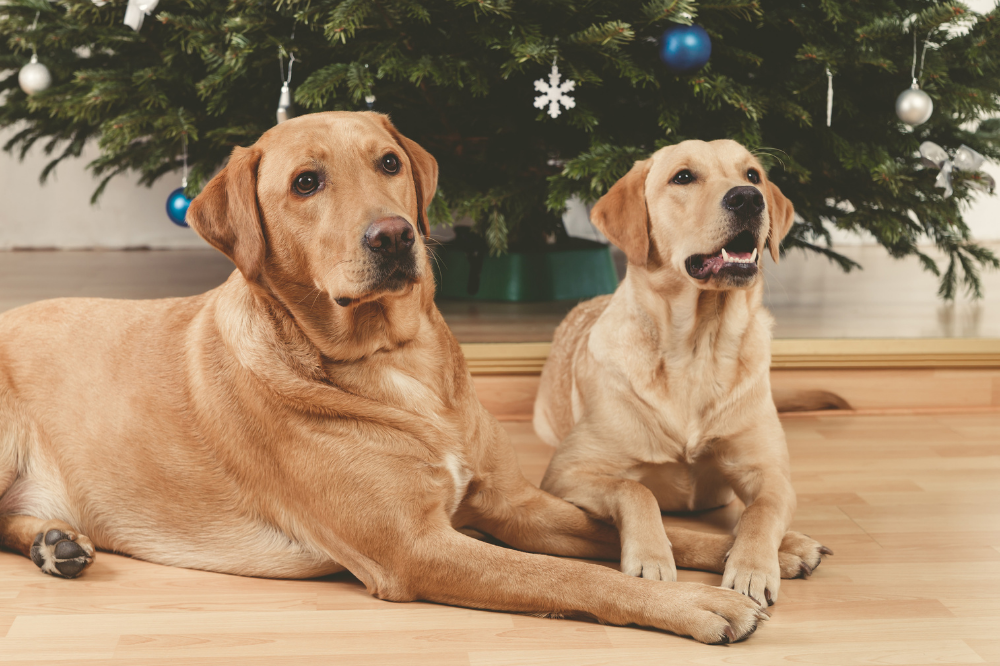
x: 34, y: 77
x: 914, y: 106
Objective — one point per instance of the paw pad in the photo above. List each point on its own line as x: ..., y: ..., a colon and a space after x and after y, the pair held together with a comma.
x: 57, y: 554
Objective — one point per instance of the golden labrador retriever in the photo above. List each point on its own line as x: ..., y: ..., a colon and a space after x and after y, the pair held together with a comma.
x: 313, y: 413
x: 658, y: 396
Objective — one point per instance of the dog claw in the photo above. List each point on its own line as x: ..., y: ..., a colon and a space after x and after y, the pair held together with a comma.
x: 730, y: 634
x: 825, y: 551
x: 804, y: 571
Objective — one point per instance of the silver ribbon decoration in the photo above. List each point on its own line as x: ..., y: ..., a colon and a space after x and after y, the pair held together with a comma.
x: 137, y: 10
x: 829, y: 97
x: 966, y: 159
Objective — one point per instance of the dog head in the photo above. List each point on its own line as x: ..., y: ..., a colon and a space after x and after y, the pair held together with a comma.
x: 704, y: 210
x: 330, y: 204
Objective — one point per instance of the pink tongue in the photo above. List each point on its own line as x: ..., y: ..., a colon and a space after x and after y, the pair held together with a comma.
x: 715, y: 263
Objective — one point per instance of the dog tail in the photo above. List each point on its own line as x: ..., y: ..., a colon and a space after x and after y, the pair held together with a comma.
x: 787, y: 400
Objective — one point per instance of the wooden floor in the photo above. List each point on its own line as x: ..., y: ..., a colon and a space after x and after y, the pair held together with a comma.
x: 909, y: 505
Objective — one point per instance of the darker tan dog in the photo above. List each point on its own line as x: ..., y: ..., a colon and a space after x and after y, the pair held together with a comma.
x: 658, y: 396
x: 313, y: 413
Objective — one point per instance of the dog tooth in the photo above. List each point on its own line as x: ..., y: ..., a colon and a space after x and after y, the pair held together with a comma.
x: 725, y: 257
x: 753, y: 257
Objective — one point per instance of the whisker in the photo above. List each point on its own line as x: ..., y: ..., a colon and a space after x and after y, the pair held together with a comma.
x: 307, y: 295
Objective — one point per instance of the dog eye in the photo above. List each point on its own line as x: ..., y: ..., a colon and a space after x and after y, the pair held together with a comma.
x: 753, y: 176
x: 306, y: 183
x: 683, y: 178
x: 390, y: 163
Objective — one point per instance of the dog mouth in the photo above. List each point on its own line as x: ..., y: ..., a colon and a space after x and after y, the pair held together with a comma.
x: 386, y: 279
x: 737, y: 258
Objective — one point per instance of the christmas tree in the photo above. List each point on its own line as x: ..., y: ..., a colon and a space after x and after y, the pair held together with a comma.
x: 457, y: 76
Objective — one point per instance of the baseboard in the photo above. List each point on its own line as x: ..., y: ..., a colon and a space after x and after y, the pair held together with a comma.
x: 527, y: 358
x: 869, y: 390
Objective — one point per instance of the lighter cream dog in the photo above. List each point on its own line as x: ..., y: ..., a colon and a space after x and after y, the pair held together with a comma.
x: 313, y: 413
x: 658, y: 396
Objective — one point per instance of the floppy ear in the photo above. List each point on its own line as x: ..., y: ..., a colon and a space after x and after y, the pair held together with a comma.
x: 425, y: 172
x: 621, y: 214
x: 782, y: 213
x: 227, y: 214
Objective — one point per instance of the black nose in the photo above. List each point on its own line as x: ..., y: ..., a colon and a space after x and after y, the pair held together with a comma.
x: 745, y: 201
x: 391, y: 236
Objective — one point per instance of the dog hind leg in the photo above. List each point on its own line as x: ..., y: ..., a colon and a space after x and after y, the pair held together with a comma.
x: 53, y: 545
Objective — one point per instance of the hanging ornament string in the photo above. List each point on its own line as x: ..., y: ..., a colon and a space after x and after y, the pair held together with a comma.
x: 177, y: 201
x: 34, y: 77
x: 370, y: 97
x: 34, y: 26
x: 829, y: 97
x: 914, y: 74
x: 285, y: 109
x: 184, y: 157
x: 914, y: 106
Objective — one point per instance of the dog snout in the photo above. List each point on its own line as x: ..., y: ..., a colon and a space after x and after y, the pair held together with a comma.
x: 744, y: 201
x: 391, y: 236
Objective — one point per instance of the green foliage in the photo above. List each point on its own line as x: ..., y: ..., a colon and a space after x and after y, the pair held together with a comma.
x: 457, y: 76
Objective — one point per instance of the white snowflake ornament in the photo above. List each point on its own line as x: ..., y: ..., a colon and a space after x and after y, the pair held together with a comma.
x: 554, y: 93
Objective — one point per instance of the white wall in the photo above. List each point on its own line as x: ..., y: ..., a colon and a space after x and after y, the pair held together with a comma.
x: 58, y: 214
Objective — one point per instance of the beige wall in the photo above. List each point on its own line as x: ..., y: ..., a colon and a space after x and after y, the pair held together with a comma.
x: 58, y: 214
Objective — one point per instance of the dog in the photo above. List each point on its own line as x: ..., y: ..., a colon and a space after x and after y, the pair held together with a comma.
x: 312, y: 414
x: 658, y: 396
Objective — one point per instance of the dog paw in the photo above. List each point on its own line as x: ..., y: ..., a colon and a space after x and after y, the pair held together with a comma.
x: 799, y: 555
x: 717, y: 616
x: 61, y: 553
x: 650, y: 563
x: 757, y: 576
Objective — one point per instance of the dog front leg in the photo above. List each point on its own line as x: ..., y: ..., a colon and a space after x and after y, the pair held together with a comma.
x: 533, y: 520
x: 756, y: 466
x: 631, y: 507
x: 445, y: 566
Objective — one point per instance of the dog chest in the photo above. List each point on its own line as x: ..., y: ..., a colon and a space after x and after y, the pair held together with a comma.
x: 461, y: 475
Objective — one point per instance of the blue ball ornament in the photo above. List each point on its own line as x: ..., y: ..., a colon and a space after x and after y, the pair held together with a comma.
x: 177, y: 207
x: 685, y: 48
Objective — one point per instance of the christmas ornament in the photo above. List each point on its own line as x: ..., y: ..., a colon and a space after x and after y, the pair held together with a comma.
x: 914, y: 106
x: 138, y: 10
x: 554, y: 92
x: 966, y: 159
x: 285, y: 108
x: 685, y: 48
x: 177, y: 207
x: 177, y: 201
x: 34, y: 77
x: 829, y: 97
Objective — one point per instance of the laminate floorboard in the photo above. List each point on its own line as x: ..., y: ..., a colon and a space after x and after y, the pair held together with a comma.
x: 908, y: 504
